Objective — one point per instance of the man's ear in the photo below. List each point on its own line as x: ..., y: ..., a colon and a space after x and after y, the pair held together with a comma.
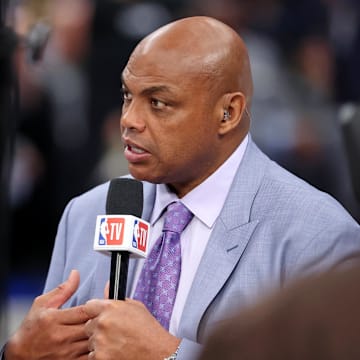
x: 231, y: 111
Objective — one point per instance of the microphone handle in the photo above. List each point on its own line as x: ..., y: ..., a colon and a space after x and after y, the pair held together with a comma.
x: 118, y: 274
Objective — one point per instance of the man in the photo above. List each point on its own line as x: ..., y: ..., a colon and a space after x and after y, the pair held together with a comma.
x: 185, y: 122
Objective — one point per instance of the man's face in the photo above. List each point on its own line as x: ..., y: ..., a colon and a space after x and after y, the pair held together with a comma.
x: 168, y: 124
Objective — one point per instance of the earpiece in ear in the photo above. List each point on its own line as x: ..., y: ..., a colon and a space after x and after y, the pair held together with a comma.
x: 227, y: 115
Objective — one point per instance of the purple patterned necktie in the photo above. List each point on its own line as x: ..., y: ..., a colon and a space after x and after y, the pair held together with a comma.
x: 159, y: 278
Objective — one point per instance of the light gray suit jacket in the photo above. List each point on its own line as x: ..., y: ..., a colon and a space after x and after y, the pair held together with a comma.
x: 273, y: 227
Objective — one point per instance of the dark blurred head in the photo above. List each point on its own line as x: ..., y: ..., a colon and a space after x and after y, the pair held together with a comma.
x: 315, y: 319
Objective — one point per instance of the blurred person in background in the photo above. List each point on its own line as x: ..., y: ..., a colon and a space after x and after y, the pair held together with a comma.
x: 64, y: 76
x: 318, y: 151
x: 344, y: 34
x: 53, y: 152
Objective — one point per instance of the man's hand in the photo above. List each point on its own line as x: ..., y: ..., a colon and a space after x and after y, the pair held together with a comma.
x: 48, y: 332
x: 126, y: 330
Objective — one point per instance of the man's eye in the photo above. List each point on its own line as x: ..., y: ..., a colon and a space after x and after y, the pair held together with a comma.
x: 126, y: 95
x: 158, y: 104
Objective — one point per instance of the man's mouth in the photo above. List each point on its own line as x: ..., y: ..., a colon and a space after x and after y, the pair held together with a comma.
x: 134, y: 149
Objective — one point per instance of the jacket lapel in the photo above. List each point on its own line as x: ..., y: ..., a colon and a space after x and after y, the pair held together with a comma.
x: 227, y: 243
x: 218, y: 262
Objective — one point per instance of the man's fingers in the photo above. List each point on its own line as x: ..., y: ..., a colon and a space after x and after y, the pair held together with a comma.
x: 94, y: 307
x: 58, y: 296
x: 82, y: 348
x: 73, y: 316
x: 77, y: 334
x: 75, y: 349
x: 89, y: 329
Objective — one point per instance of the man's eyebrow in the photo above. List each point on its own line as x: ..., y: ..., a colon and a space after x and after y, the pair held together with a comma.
x: 150, y: 90
x: 155, y: 89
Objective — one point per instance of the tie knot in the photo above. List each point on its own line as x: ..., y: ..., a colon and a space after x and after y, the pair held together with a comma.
x: 177, y: 217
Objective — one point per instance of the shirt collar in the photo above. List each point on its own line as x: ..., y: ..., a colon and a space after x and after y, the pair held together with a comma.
x: 207, y: 199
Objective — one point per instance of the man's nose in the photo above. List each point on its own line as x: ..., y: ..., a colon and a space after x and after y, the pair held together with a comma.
x: 132, y: 117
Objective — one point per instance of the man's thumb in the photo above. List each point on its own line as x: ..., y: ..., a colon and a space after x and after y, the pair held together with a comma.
x: 58, y: 296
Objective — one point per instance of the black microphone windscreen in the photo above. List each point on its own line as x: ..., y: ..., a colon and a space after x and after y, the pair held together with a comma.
x: 125, y: 197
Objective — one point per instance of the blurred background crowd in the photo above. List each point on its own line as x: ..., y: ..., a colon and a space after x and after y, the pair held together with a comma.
x: 305, y: 58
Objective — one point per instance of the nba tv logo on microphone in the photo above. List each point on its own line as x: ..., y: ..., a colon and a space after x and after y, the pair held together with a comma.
x: 121, y: 233
x: 111, y: 231
x: 140, y: 235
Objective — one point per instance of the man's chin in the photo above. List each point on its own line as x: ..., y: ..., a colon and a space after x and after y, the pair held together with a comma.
x: 142, y: 176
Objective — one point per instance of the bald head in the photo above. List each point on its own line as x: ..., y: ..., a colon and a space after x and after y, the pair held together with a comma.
x: 200, y: 46
x: 187, y: 90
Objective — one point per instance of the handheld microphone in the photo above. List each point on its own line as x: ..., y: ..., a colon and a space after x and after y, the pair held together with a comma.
x: 121, y: 231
